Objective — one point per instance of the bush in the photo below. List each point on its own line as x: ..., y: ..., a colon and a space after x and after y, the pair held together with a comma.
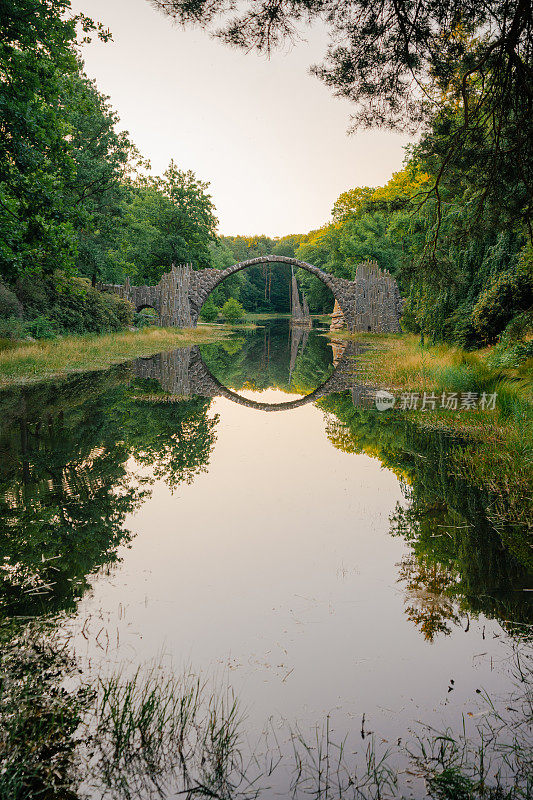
x: 147, y: 316
x: 79, y: 308
x: 209, y: 311
x: 60, y: 304
x: 122, y: 309
x: 42, y: 328
x: 32, y: 291
x: 497, y: 305
x: 9, y: 303
x: 232, y: 310
x: 12, y: 328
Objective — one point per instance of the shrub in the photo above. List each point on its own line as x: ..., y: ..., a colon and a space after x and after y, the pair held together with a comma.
x: 61, y: 304
x: 42, y: 328
x: 79, y: 308
x: 147, y: 316
x: 122, y: 309
x: 12, y: 328
x: 232, y: 310
x: 498, y: 304
x: 32, y: 292
x: 209, y: 311
x: 9, y: 303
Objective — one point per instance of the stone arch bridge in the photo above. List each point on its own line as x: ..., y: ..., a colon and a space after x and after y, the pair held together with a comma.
x: 182, y: 374
x: 371, y: 302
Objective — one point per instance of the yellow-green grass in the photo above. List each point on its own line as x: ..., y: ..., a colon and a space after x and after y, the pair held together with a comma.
x: 497, y: 444
x: 399, y: 363
x: 29, y: 362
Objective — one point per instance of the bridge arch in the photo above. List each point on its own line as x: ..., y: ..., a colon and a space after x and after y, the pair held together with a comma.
x: 184, y: 373
x: 143, y: 306
x: 287, y: 405
x: 372, y: 299
x: 343, y: 290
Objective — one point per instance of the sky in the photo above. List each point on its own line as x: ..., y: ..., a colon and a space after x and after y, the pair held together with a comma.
x: 269, y: 138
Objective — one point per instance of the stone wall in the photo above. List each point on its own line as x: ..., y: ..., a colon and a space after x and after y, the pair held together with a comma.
x: 378, y: 304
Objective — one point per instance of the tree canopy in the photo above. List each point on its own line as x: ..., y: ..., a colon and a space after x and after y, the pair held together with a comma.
x: 461, y: 68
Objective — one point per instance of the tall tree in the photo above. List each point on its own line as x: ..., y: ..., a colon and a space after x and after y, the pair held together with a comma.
x: 168, y: 219
x: 37, y: 51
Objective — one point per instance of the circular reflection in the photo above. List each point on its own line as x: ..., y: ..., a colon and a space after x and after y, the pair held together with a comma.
x: 292, y: 360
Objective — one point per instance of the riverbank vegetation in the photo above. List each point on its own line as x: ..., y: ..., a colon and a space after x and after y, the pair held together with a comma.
x: 29, y: 362
x: 160, y: 734
x: 492, y: 428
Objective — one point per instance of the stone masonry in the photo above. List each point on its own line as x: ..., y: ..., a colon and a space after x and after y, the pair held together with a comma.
x: 182, y: 374
x: 370, y: 302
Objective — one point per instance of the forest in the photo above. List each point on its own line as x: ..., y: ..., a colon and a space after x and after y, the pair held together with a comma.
x: 79, y: 204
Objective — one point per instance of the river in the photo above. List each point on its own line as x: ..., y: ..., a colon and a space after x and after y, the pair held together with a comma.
x: 320, y: 559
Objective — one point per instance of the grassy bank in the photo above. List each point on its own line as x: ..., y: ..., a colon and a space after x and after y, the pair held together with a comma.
x: 497, y: 440
x: 398, y: 362
x: 29, y: 362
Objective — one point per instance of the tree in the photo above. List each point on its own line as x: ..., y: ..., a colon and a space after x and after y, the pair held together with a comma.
x: 403, y: 64
x: 351, y: 202
x: 168, y: 219
x: 232, y: 311
x: 103, y: 159
x: 209, y: 311
x: 37, y: 159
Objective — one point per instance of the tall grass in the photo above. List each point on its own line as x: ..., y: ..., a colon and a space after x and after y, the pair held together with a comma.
x: 161, y: 735
x: 36, y: 361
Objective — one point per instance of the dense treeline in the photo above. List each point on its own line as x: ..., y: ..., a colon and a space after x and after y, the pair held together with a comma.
x: 77, y: 204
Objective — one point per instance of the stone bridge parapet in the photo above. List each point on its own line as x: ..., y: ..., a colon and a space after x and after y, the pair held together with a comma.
x: 371, y: 302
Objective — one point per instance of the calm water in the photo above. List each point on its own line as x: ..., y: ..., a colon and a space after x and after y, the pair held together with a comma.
x: 323, y: 560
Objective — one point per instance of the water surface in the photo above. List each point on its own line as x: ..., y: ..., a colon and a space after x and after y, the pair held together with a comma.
x: 323, y: 560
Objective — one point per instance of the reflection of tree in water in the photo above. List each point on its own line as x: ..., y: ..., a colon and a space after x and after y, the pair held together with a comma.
x: 175, y: 439
x: 459, y: 563
x: 428, y: 604
x: 65, y: 489
x: 272, y: 357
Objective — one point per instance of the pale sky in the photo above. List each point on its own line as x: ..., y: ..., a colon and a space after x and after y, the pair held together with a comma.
x: 269, y: 137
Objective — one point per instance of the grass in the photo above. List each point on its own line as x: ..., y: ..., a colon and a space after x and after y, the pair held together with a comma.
x: 30, y: 362
x: 497, y: 444
x: 160, y: 734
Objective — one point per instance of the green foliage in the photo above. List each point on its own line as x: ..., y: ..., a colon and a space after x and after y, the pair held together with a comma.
x: 38, y: 719
x: 232, y: 311
x: 209, y: 311
x: 166, y: 220
x: 505, y: 297
x: 62, y: 304
x: 145, y: 317
x: 10, y: 305
x: 12, y: 328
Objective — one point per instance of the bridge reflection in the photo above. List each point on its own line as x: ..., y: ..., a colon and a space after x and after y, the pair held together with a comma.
x: 183, y: 373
